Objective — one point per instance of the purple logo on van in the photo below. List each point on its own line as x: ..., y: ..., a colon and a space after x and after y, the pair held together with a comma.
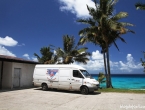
x: 51, y: 73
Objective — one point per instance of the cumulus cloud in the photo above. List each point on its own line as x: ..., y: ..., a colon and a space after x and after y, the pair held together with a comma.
x: 77, y: 7
x: 26, y: 56
x: 130, y: 65
x: 97, y: 55
x: 8, y: 41
x: 96, y: 64
x: 4, y: 51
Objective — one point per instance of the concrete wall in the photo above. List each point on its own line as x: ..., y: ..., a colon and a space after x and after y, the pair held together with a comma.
x: 7, y: 75
x: 26, y: 76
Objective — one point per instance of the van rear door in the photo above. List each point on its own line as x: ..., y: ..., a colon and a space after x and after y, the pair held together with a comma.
x: 64, y: 78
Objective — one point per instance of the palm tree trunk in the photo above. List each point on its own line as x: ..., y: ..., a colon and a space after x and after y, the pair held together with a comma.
x: 105, y: 67
x: 108, y: 67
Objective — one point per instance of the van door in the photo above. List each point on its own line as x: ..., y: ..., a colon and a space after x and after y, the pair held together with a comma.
x: 64, y: 78
x: 76, y: 80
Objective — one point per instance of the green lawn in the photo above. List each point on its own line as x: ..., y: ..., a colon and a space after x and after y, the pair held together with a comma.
x: 121, y: 90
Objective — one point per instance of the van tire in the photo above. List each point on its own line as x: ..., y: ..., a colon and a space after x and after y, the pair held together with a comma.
x: 44, y: 87
x: 84, y: 90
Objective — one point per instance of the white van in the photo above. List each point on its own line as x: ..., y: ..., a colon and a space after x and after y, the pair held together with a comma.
x: 66, y: 77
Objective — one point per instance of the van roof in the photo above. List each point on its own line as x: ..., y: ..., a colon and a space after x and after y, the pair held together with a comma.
x: 58, y: 66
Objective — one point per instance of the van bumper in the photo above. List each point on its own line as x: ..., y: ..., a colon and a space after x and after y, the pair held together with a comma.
x: 92, y: 89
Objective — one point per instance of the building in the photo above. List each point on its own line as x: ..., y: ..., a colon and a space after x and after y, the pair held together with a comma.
x: 15, y: 72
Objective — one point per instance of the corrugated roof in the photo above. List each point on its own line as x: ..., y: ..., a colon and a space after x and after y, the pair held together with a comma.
x: 15, y: 59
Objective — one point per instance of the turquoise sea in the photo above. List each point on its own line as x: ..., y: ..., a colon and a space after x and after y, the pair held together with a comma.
x: 126, y: 81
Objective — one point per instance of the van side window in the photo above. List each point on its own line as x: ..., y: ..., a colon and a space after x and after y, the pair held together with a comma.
x: 77, y: 74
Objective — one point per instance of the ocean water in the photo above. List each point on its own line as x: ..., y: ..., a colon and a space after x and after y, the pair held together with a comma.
x: 126, y: 81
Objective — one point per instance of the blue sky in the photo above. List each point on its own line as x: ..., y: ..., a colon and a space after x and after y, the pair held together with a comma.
x: 28, y: 25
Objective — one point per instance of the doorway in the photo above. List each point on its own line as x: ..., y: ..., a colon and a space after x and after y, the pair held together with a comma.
x: 16, y: 78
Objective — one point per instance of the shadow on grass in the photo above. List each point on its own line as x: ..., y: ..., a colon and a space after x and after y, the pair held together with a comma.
x: 65, y: 91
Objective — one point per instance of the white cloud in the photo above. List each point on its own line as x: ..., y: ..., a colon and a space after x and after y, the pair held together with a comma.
x: 21, y: 44
x: 26, y: 56
x: 34, y: 59
x: 4, y: 51
x: 54, y: 52
x: 130, y: 65
x: 77, y: 7
x: 8, y: 41
x: 97, y: 55
x: 96, y: 64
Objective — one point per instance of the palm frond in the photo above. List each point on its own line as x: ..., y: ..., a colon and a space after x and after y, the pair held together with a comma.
x: 122, y: 39
x: 124, y: 24
x: 114, y: 2
x: 140, y: 6
x: 87, y: 21
x: 128, y: 30
x: 82, y: 50
x: 82, y: 41
x: 84, y: 31
x: 119, y: 16
x: 81, y: 59
x: 116, y: 45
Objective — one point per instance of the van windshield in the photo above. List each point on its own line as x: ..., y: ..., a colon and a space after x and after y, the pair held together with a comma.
x: 86, y: 74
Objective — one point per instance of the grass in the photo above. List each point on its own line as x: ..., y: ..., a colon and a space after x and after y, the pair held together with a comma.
x: 121, y: 90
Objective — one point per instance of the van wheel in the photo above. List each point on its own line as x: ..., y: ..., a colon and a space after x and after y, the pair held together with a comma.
x: 84, y: 90
x: 44, y: 87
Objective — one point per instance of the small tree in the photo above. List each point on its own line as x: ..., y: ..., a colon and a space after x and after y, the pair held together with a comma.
x: 101, y: 77
x: 47, y: 56
x: 143, y: 62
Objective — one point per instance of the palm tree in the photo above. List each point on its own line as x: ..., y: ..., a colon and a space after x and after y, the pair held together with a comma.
x: 71, y: 53
x: 143, y: 62
x: 104, y: 29
x: 140, y: 6
x: 47, y: 56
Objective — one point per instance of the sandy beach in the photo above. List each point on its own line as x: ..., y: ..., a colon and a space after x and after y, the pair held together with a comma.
x: 36, y: 99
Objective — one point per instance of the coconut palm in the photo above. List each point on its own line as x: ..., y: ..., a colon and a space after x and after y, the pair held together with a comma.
x: 47, y: 56
x: 104, y: 29
x: 140, y: 6
x: 71, y: 53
